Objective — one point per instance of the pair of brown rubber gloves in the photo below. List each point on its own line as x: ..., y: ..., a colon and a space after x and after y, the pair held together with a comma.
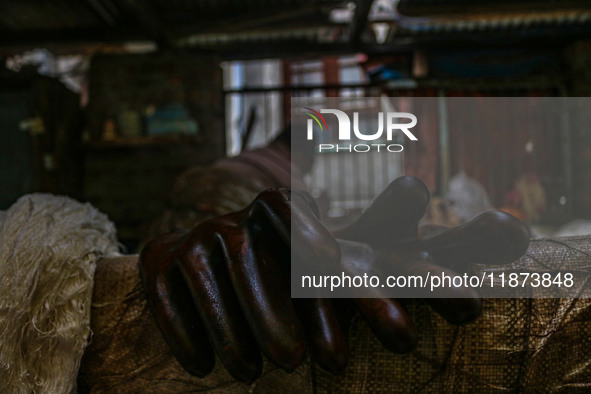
x: 224, y: 287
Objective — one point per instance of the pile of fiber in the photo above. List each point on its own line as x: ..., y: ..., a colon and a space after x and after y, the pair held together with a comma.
x: 49, y: 247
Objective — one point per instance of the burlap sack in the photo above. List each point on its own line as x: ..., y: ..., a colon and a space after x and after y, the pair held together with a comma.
x: 517, y: 345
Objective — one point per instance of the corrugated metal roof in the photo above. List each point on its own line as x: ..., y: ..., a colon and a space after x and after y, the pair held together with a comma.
x: 229, y: 25
x: 442, y: 7
x: 324, y: 34
x: 481, y: 22
x: 34, y: 21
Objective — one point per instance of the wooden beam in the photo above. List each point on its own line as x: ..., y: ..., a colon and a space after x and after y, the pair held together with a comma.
x: 43, y: 37
x: 147, y: 20
x: 359, y: 22
x: 101, y: 12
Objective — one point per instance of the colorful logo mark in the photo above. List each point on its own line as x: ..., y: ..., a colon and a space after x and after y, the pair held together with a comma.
x: 315, y: 116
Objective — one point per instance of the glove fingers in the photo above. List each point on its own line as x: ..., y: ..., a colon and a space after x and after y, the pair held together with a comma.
x: 493, y: 237
x: 457, y: 305
x: 386, y: 317
x: 201, y: 259
x: 389, y: 322
x: 293, y: 216
x: 456, y: 311
x: 254, y: 260
x: 171, y: 304
x: 326, y: 338
x: 393, y: 216
x: 430, y: 230
x: 281, y: 218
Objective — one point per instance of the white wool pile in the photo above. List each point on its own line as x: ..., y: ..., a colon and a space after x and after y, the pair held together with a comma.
x: 49, y: 247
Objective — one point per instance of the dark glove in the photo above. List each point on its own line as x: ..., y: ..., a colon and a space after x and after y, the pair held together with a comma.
x: 224, y: 286
x: 387, y: 243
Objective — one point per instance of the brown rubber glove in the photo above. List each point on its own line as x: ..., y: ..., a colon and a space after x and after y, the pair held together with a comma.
x: 224, y: 286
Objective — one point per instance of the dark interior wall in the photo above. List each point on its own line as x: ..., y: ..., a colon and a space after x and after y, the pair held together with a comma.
x: 578, y: 59
x: 40, y: 127
x: 59, y: 157
x: 120, y: 83
x: 130, y: 177
x: 16, y: 170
